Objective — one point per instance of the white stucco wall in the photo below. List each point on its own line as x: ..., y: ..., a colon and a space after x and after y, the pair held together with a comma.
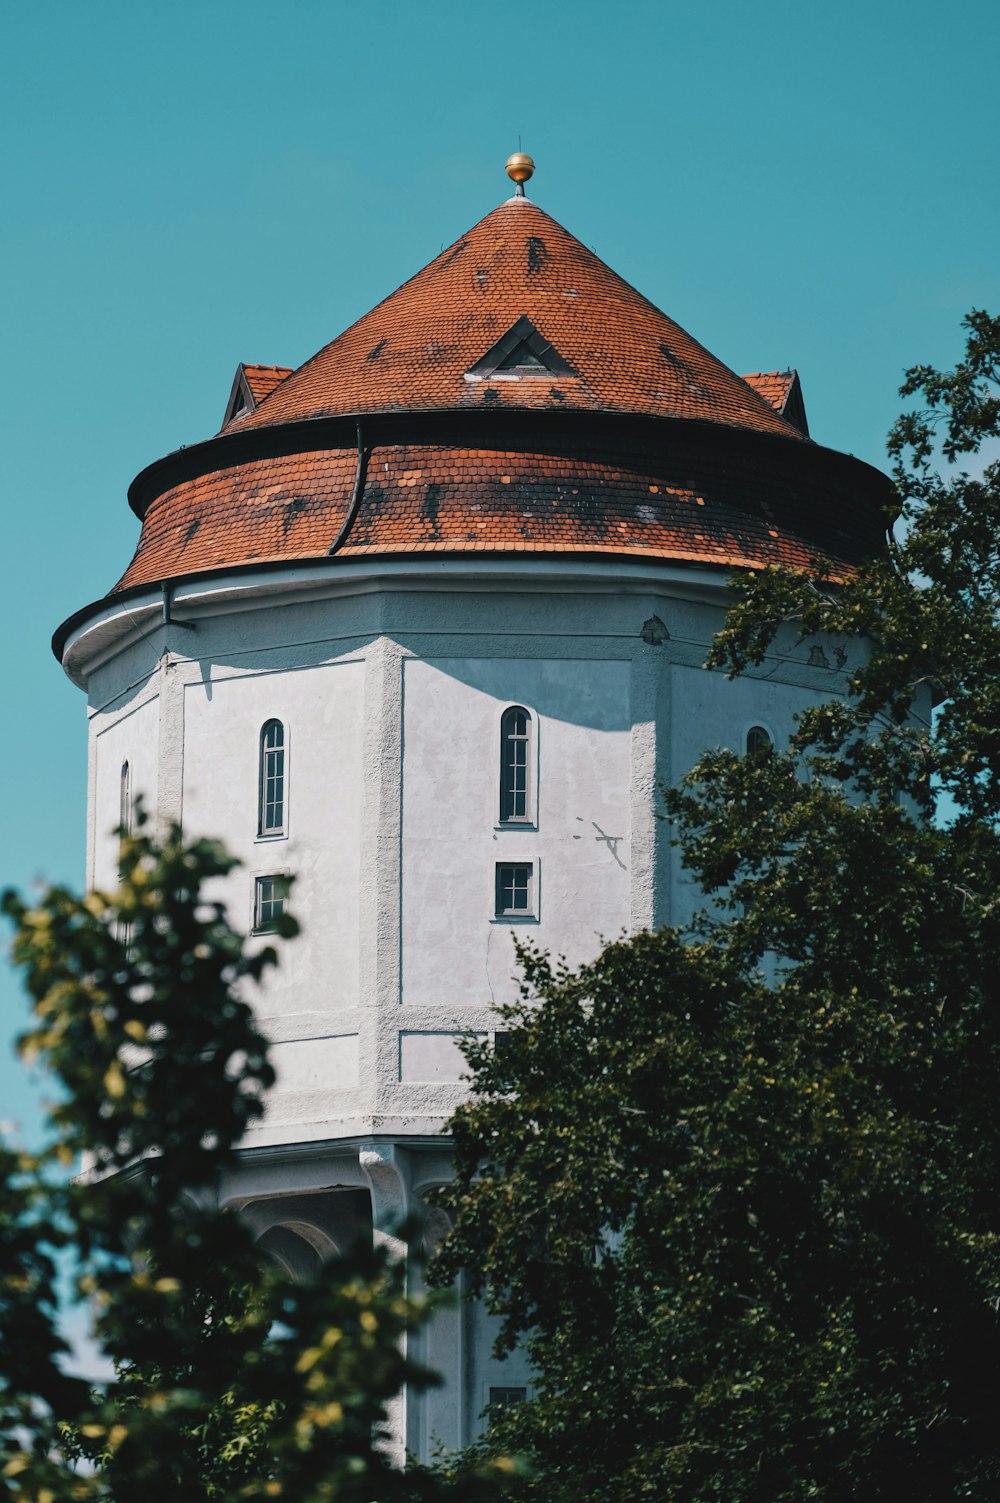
x: 455, y: 951
x: 320, y: 709
x: 391, y: 696
x: 309, y: 1005
x: 391, y: 684
x: 129, y: 733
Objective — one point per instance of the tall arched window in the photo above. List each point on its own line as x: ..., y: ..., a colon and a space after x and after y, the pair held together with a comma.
x: 271, y: 780
x: 515, y: 766
x: 125, y: 801
x: 758, y: 739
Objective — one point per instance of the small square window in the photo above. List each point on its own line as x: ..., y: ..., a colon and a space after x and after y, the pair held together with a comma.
x: 269, y: 897
x: 504, y: 1398
x: 515, y: 894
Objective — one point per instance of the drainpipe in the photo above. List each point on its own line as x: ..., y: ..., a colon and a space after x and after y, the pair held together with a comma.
x: 359, y: 486
x: 168, y: 619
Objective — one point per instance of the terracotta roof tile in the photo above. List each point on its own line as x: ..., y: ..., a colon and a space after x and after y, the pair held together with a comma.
x: 782, y: 391
x: 251, y: 385
x: 262, y: 379
x: 637, y: 442
x: 439, y: 498
x: 414, y: 351
x: 773, y: 386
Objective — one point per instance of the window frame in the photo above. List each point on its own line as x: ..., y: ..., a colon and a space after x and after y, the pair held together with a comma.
x: 490, y: 1406
x: 529, y: 820
x: 528, y: 915
x: 276, y: 832
x: 125, y: 799
x: 756, y: 725
x: 257, y: 926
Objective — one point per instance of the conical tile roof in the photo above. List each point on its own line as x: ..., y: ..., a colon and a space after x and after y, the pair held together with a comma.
x: 424, y: 348
x: 515, y: 397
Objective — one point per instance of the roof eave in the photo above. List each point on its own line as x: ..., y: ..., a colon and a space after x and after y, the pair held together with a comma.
x: 164, y: 588
x: 238, y: 445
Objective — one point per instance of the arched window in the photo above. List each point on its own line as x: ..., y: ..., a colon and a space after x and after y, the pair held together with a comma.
x: 271, y: 780
x: 125, y: 801
x: 515, y: 766
x: 758, y: 739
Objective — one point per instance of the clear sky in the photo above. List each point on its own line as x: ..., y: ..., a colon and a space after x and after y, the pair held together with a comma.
x: 186, y: 186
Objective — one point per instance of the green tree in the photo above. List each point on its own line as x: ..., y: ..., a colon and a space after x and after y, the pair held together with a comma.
x: 738, y: 1187
x: 231, y: 1381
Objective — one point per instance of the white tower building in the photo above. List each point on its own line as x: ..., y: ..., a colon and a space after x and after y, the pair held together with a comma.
x: 423, y: 627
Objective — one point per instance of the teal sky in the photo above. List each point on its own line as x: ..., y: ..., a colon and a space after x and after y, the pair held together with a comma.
x: 192, y: 185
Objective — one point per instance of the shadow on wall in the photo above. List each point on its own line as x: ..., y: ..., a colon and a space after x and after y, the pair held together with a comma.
x: 483, y: 639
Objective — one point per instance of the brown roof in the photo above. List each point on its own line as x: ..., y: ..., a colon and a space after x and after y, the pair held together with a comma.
x: 531, y: 489
x: 516, y: 396
x: 262, y: 379
x: 424, y: 348
x: 251, y: 384
x: 773, y: 386
x: 783, y: 391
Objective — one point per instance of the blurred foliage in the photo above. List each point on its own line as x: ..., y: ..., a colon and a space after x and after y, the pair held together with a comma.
x: 231, y: 1380
x: 737, y: 1187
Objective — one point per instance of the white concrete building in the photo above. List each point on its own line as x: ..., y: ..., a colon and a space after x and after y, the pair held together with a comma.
x: 422, y: 628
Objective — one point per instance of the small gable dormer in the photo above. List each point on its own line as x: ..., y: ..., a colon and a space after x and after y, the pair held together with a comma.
x: 782, y: 390
x: 251, y: 384
x: 521, y: 352
x: 795, y: 408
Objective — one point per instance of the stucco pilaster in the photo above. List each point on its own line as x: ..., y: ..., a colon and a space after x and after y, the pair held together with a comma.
x: 379, y: 915
x: 170, y: 751
x: 650, y: 687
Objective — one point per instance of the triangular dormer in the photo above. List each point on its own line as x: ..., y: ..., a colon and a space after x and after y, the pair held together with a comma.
x: 241, y: 398
x: 794, y: 410
x: 521, y: 352
x: 251, y: 384
x: 782, y: 390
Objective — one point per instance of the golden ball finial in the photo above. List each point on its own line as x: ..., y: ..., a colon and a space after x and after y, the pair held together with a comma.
x: 519, y: 168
